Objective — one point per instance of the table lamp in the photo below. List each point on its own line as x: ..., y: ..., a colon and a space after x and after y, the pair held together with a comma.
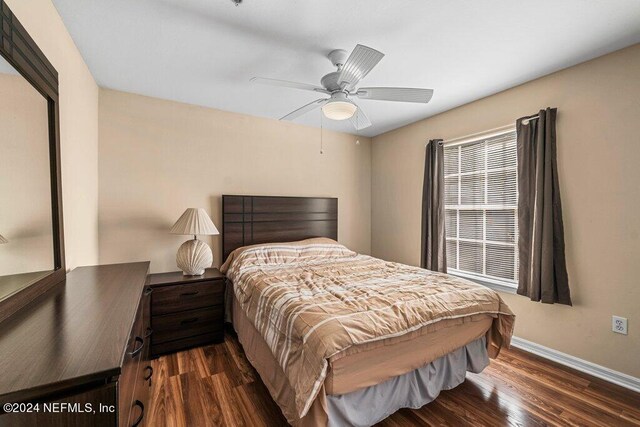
x: 194, y: 255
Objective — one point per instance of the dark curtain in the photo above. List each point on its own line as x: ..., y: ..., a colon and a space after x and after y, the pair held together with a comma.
x: 543, y: 271
x: 434, y: 254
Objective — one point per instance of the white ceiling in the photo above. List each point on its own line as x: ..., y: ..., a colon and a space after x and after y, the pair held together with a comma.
x: 204, y: 52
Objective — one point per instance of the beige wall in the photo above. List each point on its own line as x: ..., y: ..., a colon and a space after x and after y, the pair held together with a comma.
x: 159, y: 157
x: 78, y: 127
x: 25, y: 185
x: 599, y: 165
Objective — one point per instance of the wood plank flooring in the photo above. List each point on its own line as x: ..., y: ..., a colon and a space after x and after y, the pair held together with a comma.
x: 216, y: 386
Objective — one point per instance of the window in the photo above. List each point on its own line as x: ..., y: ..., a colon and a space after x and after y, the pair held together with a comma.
x: 481, y: 209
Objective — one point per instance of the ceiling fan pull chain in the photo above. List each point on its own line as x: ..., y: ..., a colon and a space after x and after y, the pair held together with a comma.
x: 357, y: 130
x: 321, y: 126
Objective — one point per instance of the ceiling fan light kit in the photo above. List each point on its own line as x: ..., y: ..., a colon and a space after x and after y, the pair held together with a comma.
x: 340, y: 85
x: 339, y: 108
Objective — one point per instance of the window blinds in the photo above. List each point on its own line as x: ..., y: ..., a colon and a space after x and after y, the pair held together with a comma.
x: 481, y: 202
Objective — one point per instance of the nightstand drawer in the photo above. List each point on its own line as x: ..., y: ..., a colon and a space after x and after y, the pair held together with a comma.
x: 172, y: 299
x: 183, y: 344
x: 185, y: 324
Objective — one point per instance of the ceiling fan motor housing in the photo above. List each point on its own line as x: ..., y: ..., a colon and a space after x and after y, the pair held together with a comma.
x: 330, y: 81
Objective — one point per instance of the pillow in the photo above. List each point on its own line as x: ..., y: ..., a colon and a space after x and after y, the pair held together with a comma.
x: 285, y: 252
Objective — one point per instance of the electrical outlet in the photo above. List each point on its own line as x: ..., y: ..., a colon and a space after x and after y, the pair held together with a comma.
x: 619, y: 325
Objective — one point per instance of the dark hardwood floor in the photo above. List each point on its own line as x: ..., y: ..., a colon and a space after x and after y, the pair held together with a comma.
x: 216, y: 386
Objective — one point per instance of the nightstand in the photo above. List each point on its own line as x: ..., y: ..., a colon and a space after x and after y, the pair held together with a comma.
x: 186, y: 311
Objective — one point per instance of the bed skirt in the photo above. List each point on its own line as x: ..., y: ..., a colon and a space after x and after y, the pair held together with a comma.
x: 414, y: 389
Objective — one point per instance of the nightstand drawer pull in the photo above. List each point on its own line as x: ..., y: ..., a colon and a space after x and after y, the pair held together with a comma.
x: 136, y: 351
x: 148, y: 291
x: 187, y: 321
x: 189, y: 294
x: 148, y: 333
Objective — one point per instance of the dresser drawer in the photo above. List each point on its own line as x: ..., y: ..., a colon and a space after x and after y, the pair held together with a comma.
x: 185, y: 343
x: 172, y: 299
x: 185, y: 324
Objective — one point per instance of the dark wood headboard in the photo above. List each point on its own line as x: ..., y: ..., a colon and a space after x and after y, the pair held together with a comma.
x: 249, y: 220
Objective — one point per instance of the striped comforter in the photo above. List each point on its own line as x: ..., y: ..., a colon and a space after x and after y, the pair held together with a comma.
x: 313, y: 299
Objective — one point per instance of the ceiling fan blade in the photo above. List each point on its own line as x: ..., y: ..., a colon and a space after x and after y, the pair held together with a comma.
x: 360, y: 120
x: 305, y: 109
x: 401, y: 94
x: 286, y: 83
x: 357, y: 66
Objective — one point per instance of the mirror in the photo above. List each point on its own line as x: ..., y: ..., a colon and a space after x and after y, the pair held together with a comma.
x: 26, y: 222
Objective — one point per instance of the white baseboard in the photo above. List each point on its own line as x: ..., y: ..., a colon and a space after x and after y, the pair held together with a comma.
x: 615, y: 377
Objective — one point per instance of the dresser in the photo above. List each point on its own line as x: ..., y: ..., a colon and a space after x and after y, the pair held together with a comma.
x: 186, y: 311
x: 79, y: 354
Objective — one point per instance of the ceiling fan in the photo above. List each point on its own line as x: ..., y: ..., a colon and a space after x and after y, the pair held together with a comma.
x: 341, y: 86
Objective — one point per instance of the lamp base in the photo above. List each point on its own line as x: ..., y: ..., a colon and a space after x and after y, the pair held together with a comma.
x: 193, y: 257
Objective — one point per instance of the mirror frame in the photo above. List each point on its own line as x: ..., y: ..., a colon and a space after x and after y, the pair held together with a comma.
x: 20, y: 50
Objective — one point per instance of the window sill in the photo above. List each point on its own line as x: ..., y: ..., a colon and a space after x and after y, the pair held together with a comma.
x: 507, y: 288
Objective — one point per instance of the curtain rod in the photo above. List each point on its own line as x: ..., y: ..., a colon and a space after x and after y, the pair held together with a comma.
x: 483, y: 134
x: 526, y: 121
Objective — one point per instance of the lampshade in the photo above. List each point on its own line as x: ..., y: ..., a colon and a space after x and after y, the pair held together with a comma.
x: 339, y: 110
x: 3, y: 240
x: 194, y: 221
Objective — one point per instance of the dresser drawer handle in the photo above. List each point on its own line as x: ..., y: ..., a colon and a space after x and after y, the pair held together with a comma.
x: 137, y: 351
x: 139, y: 420
x: 187, y: 321
x: 189, y: 294
x: 148, y: 333
x: 149, y: 375
x: 148, y: 291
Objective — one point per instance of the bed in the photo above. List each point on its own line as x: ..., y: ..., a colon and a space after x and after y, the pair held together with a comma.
x: 340, y: 338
